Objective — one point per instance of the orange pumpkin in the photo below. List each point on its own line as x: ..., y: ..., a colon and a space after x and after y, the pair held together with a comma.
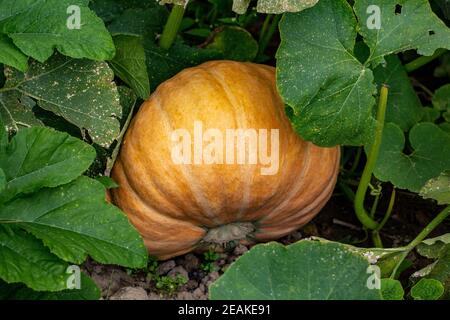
x: 214, y: 191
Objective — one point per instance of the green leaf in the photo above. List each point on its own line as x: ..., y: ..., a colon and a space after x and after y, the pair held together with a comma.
x: 430, y: 155
x: 274, y: 6
x: 162, y: 64
x: 2, y: 180
x: 38, y: 40
x: 404, y: 107
x: 445, y: 127
x: 427, y: 289
x: 129, y: 64
x: 441, y: 98
x: 415, y: 27
x: 225, y: 41
x: 81, y: 91
x: 11, y: 55
x: 138, y: 22
x: 109, y: 10
x: 329, y: 91
x: 430, y: 115
x: 438, y: 188
x: 240, y: 6
x: 438, y: 249
x: 392, y: 289
x: 304, y: 270
x: 24, y: 259
x: 88, y: 291
x: 74, y: 221
x: 16, y: 110
x: 281, y: 6
x: 183, y: 3
x: 107, y: 182
x: 41, y: 157
x: 433, y: 248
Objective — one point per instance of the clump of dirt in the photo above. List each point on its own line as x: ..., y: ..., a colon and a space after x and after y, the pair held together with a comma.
x: 188, y: 277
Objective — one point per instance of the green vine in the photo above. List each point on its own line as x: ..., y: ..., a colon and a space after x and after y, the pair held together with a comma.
x: 172, y: 26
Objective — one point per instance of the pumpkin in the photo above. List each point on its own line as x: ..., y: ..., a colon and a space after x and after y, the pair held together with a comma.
x: 222, y: 188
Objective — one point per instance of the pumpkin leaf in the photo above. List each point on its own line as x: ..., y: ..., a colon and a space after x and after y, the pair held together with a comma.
x: 405, y: 25
x: 11, y: 55
x: 441, y: 98
x: 139, y: 22
x: 88, y: 291
x: 274, y: 6
x: 163, y: 64
x: 427, y: 289
x: 108, y: 10
x: 303, y: 270
x: 240, y: 6
x: 24, y: 259
x: 183, y: 3
x: 225, y: 41
x: 430, y: 115
x: 282, y: 6
x: 40, y: 157
x: 129, y: 64
x: 329, y: 91
x: 2, y: 180
x: 404, y: 107
x: 81, y: 91
x: 391, y: 289
x: 89, y: 39
x: 438, y: 188
x: 67, y: 219
x: 430, y: 155
x: 438, y: 249
x: 16, y: 109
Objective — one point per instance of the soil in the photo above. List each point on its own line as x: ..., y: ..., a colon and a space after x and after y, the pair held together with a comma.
x: 336, y: 222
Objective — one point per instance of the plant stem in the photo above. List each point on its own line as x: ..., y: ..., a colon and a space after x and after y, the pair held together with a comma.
x: 265, y: 26
x: 264, y: 42
x: 376, y: 239
x: 172, y: 26
x: 376, y: 233
x: 444, y: 214
x: 356, y: 161
x: 388, y: 211
x: 375, y: 206
x: 347, y: 192
x: 361, y: 213
x: 430, y: 227
x: 421, y: 61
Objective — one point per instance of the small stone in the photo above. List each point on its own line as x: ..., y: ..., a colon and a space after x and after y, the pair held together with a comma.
x: 130, y: 293
x: 191, y: 284
x: 240, y: 250
x: 165, y: 267
x: 198, y: 293
x: 191, y: 262
x: 154, y: 296
x: 178, y: 271
x: 185, y: 296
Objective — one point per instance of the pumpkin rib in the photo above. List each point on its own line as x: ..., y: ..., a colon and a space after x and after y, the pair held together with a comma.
x: 154, y: 187
x: 196, y: 190
x: 142, y: 217
x: 293, y: 192
x: 318, y: 203
x: 241, y: 123
x: 312, y: 208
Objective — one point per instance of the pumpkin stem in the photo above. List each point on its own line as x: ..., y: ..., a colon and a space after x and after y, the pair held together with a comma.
x: 230, y: 232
